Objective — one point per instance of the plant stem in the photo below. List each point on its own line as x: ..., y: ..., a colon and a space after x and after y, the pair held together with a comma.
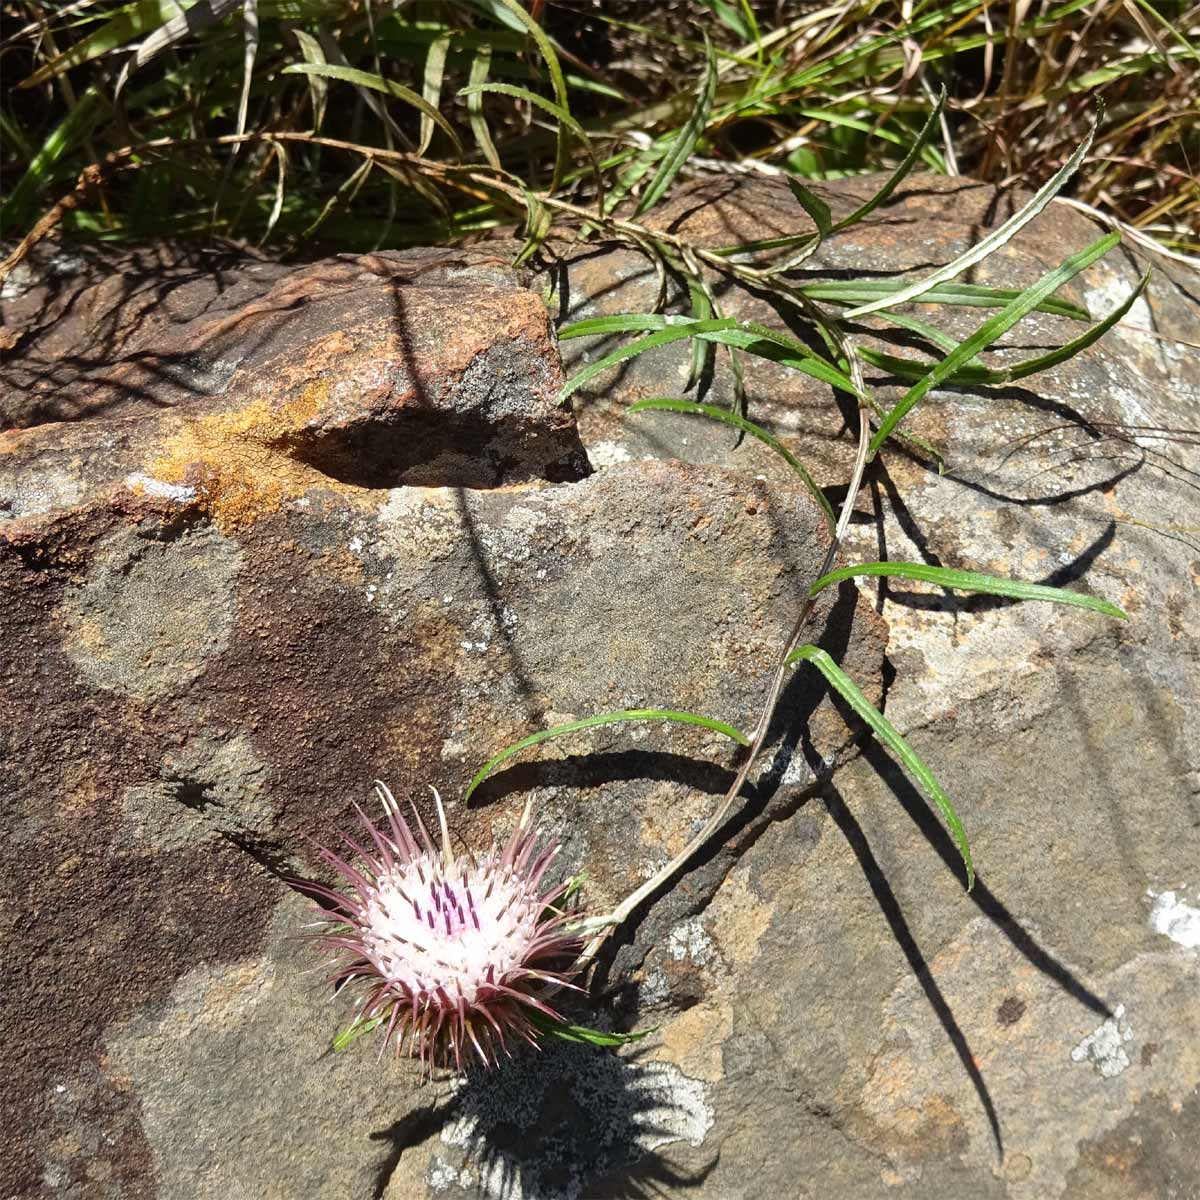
x: 623, y: 910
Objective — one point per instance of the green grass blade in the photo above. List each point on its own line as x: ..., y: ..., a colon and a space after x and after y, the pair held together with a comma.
x: 994, y: 240
x: 377, y: 84
x: 559, y: 84
x: 480, y: 65
x: 755, y: 339
x: 537, y: 225
x: 560, y: 114
x: 76, y: 126
x: 672, y: 333
x: 431, y: 85
x: 125, y: 25
x: 723, y: 415
x: 970, y: 581
x: 777, y: 349
x: 611, y: 718
x: 991, y: 329
x: 958, y: 294
x: 821, y: 217
x: 891, y: 737
x: 354, y: 1031
x: 898, y: 175
x: 812, y: 204
x: 584, y: 1034
x: 680, y: 149
x: 975, y: 372
x: 318, y: 89
x: 1031, y: 366
x: 618, y: 323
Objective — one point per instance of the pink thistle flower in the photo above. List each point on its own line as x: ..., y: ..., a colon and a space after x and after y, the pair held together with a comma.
x: 456, y: 954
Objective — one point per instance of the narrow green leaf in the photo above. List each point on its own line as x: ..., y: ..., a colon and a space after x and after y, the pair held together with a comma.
x: 809, y: 240
x: 770, y: 345
x: 891, y: 737
x: 812, y: 204
x: 559, y: 84
x: 975, y: 372
x: 994, y: 240
x: 822, y: 218
x: 583, y: 1034
x: 354, y: 1031
x: 680, y: 149
x: 959, y: 294
x: 617, y: 323
x: 75, y: 126
x: 431, y: 85
x: 559, y: 113
x: 318, y: 89
x: 970, y: 581
x: 480, y: 65
x: 610, y: 718
x: 377, y: 84
x: 537, y: 225
x: 991, y: 329
x: 1031, y: 366
x: 672, y: 333
x: 737, y: 422
x: 748, y: 335
x: 899, y: 174
x: 126, y: 24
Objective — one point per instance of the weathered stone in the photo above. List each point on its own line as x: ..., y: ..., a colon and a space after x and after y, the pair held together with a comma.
x: 1069, y: 744
x: 220, y: 635
x: 836, y: 1017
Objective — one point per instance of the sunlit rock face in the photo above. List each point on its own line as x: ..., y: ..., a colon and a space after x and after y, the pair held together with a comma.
x: 268, y: 533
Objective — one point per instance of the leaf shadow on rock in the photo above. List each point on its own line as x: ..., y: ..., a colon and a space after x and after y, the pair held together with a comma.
x: 988, y: 903
x: 889, y: 905
x: 564, y: 1122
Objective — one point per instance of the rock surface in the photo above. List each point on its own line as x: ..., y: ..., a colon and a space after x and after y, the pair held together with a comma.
x: 275, y: 532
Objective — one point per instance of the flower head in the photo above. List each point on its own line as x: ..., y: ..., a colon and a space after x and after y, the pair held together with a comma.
x: 456, y: 954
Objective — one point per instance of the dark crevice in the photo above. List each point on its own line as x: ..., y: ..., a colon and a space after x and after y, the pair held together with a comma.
x: 427, y: 448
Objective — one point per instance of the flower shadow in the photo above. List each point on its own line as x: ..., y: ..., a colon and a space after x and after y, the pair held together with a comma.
x: 566, y: 1122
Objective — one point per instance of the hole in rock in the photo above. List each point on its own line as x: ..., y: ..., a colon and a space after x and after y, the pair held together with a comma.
x: 438, y: 449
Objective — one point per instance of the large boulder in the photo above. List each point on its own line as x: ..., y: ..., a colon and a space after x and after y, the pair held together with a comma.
x: 368, y: 545
x: 275, y: 532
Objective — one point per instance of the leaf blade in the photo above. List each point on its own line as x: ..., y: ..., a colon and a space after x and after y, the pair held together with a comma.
x: 610, y: 718
x: 970, y: 581
x: 990, y: 330
x: 994, y: 240
x: 377, y: 83
x: 690, y: 407
x: 681, y: 147
x: 894, y: 740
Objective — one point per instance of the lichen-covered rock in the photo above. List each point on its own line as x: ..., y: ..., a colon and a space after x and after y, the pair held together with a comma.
x: 229, y: 610
x: 1037, y: 1038
x: 226, y: 615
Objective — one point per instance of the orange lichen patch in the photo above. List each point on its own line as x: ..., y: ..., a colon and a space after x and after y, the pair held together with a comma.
x: 693, y: 1040
x: 237, y: 462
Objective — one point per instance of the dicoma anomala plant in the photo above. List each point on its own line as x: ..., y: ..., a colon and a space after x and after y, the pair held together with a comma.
x: 455, y: 956
x: 455, y: 953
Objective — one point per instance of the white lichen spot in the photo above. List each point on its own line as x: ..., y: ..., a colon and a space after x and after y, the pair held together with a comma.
x: 1104, y: 1048
x: 689, y: 940
x: 356, y: 545
x: 441, y: 1176
x: 654, y: 987
x: 1171, y: 917
x: 608, y: 454
x: 178, y: 492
